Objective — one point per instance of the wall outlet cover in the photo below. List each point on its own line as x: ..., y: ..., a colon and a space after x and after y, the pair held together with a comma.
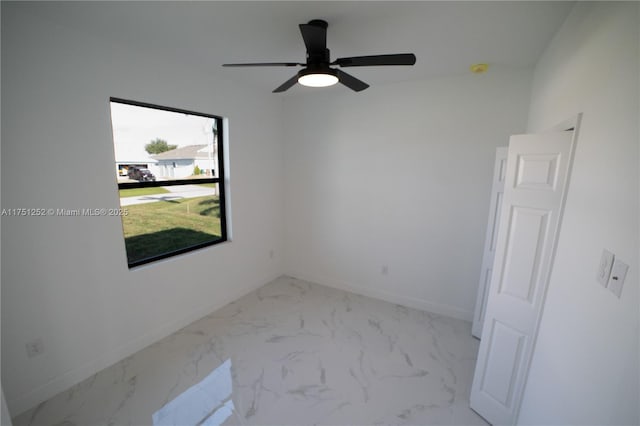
x: 618, y: 274
x: 34, y: 348
x: 604, y: 268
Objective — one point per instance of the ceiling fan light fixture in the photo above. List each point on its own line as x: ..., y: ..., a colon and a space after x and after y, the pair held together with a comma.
x: 317, y: 71
x: 317, y: 78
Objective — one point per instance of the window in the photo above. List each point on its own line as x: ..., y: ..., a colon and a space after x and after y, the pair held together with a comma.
x: 170, y: 172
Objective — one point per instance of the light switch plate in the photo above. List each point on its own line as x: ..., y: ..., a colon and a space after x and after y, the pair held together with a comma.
x: 618, y: 274
x: 604, y: 269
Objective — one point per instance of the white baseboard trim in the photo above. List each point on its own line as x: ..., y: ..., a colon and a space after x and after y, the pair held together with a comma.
x: 65, y: 381
x: 410, y: 302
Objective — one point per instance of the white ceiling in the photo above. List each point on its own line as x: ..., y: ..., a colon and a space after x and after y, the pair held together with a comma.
x: 445, y: 36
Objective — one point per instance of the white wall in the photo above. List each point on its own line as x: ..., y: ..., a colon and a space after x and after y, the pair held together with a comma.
x: 65, y: 280
x: 5, y: 418
x: 585, y: 365
x: 398, y: 176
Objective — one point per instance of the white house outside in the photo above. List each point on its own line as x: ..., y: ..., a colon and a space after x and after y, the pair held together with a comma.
x: 182, y: 162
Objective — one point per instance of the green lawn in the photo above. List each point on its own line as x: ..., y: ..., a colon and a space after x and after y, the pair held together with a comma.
x: 137, y: 192
x: 161, y: 227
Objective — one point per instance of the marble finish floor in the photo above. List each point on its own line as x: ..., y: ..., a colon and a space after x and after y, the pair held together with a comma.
x: 289, y: 353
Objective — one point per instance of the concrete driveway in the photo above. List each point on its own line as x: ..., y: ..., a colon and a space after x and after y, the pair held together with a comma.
x: 175, y: 193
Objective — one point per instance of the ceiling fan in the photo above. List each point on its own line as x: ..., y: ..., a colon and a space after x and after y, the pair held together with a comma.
x: 317, y: 71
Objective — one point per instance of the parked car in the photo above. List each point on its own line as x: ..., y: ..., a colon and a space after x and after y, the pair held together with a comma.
x: 142, y: 175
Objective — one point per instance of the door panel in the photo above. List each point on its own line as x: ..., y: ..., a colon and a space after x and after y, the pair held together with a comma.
x: 527, y: 233
x: 537, y: 171
x: 535, y: 188
x: 491, y: 238
x: 500, y: 369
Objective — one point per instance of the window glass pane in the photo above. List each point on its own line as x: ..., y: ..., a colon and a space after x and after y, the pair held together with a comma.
x: 155, y: 144
x: 166, y: 219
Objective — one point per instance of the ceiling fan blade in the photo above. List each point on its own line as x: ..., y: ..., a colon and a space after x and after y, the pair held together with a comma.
x: 287, y: 84
x: 367, y: 61
x: 264, y: 64
x: 314, y: 35
x: 351, y: 82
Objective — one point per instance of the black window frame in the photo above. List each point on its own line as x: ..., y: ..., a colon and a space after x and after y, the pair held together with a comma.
x: 220, y: 180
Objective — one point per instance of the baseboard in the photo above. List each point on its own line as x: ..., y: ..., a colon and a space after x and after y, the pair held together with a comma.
x: 410, y: 302
x: 77, y: 375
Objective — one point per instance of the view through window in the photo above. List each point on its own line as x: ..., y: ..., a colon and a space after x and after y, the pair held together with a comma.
x: 170, y: 172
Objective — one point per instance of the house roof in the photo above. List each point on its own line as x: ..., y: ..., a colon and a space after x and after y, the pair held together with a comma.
x: 136, y: 161
x: 184, y: 153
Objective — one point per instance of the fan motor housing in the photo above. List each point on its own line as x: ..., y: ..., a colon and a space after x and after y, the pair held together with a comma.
x: 319, y: 23
x: 318, y: 57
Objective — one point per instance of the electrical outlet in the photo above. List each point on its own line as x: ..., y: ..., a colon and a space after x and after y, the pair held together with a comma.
x: 618, y: 274
x: 34, y: 348
x: 604, y: 269
x: 384, y: 270
x: 272, y: 253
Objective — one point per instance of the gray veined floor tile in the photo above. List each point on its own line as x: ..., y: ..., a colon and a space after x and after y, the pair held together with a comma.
x: 289, y: 353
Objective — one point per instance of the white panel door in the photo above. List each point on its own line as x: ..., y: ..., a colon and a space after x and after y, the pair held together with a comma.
x: 535, y: 188
x: 497, y: 190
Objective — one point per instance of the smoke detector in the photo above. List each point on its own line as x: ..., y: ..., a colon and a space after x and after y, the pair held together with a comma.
x: 479, y: 68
